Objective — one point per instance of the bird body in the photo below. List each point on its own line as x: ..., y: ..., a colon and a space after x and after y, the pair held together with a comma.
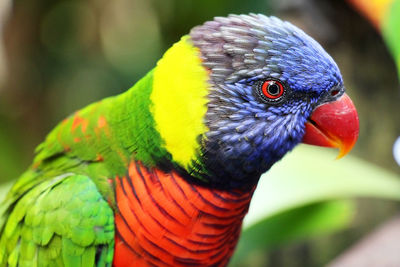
x: 163, y: 174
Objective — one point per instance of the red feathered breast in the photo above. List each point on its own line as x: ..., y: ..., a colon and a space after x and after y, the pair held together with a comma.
x: 165, y: 221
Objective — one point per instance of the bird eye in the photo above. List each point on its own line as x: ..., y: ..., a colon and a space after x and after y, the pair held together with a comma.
x: 272, y: 89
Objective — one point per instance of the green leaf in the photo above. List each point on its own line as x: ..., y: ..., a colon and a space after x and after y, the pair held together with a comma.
x: 391, y: 32
x: 298, y: 223
x: 298, y: 199
x: 311, y: 174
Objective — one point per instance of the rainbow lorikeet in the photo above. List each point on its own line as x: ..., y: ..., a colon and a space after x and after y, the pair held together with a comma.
x: 163, y: 174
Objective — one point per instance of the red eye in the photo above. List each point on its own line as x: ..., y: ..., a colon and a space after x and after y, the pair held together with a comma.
x: 272, y: 89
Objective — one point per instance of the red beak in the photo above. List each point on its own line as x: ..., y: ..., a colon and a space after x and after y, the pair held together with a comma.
x: 333, y: 124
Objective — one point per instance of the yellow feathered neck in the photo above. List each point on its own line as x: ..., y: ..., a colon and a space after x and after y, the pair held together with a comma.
x: 179, y: 98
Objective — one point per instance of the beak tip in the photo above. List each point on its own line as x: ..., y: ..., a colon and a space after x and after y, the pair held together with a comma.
x: 342, y: 152
x: 346, y: 147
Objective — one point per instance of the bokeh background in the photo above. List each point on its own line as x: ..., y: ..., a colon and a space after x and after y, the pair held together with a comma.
x: 58, y: 56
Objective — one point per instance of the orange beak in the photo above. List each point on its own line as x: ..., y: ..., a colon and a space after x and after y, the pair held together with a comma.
x: 333, y: 124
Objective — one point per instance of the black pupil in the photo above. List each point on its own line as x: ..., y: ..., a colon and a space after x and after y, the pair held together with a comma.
x: 273, y: 89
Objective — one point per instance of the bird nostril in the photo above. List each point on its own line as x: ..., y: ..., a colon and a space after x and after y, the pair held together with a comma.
x: 334, y: 92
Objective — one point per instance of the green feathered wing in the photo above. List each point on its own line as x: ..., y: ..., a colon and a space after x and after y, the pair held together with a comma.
x: 60, y: 212
x: 63, y: 221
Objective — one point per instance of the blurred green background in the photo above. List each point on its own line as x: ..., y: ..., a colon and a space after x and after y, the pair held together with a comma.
x: 60, y: 55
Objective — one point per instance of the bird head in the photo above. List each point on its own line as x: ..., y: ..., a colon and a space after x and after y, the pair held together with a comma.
x: 265, y: 87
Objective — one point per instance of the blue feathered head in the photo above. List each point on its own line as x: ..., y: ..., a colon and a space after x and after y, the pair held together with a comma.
x: 267, y: 77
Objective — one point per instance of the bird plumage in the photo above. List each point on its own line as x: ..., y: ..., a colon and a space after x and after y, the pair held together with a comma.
x: 162, y: 175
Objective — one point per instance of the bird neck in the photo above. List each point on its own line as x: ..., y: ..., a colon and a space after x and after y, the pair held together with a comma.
x: 179, y: 101
x: 166, y: 109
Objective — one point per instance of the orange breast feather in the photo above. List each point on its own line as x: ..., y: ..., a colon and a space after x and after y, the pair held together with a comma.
x: 165, y: 221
